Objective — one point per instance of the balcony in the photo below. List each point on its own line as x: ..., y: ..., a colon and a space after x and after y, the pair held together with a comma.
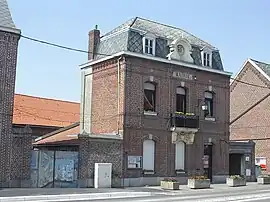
x: 184, y: 127
x: 181, y: 120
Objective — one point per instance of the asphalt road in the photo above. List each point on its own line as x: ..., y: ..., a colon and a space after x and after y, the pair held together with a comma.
x: 255, y: 195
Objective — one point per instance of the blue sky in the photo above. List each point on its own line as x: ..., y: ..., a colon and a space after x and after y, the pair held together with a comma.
x: 239, y: 28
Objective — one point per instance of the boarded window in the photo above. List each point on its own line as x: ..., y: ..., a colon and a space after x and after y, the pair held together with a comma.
x: 180, y: 156
x: 148, y: 155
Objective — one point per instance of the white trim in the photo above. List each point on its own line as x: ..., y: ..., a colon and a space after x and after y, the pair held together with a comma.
x: 206, y: 51
x: 158, y: 59
x: 149, y: 38
x: 254, y: 65
x: 11, y: 30
x: 180, y: 91
x: 149, y: 86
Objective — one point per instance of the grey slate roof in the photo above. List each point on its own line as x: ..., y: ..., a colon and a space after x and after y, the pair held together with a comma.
x: 5, y: 16
x: 128, y: 37
x: 161, y: 30
x: 264, y: 66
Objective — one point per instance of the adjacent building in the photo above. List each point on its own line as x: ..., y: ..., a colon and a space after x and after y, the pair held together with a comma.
x: 43, y: 115
x: 9, y: 38
x: 166, y: 93
x: 250, y: 115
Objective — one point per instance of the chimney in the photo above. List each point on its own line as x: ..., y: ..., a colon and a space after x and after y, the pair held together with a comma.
x: 93, y: 41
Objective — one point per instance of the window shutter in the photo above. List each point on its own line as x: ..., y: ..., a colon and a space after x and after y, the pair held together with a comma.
x: 180, y: 156
x: 148, y: 155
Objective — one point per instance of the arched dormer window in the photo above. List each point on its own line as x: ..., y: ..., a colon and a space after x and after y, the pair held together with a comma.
x: 181, y: 99
x: 149, y: 97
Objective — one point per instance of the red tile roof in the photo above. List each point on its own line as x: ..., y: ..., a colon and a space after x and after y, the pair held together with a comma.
x: 68, y: 134
x: 44, y: 112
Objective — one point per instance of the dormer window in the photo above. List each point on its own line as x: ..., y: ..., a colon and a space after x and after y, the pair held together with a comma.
x: 206, y: 58
x: 149, y: 45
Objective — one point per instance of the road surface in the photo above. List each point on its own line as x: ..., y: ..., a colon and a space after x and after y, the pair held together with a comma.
x: 241, y: 196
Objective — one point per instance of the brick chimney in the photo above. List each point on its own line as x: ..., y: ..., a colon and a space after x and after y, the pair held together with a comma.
x: 93, y: 41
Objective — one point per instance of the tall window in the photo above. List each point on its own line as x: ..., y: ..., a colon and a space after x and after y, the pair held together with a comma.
x: 208, y: 99
x: 149, y: 46
x: 180, y: 156
x: 206, y: 59
x: 181, y: 99
x: 149, y: 97
x: 149, y: 155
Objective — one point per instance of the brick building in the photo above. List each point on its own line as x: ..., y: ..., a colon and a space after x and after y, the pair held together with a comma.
x: 9, y: 38
x: 250, y: 100
x: 166, y: 93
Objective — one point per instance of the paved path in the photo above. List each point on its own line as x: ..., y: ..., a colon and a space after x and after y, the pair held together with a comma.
x: 217, y: 193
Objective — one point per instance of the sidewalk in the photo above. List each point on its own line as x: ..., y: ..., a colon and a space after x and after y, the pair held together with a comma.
x: 62, y: 194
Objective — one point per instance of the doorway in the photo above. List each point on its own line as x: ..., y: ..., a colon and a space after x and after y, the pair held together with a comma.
x: 208, y: 156
x: 235, y: 164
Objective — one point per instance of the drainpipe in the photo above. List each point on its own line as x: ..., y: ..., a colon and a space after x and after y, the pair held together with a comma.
x: 118, y: 94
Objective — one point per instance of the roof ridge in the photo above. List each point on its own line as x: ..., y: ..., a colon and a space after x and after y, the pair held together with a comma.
x: 259, y: 61
x: 120, y: 27
x: 44, y: 98
x: 174, y: 27
x: 57, y: 131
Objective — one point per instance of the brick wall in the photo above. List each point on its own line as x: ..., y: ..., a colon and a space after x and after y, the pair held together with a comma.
x: 105, y: 96
x: 21, y: 157
x: 99, y: 150
x: 8, y: 60
x: 134, y: 72
x: 255, y: 123
x: 138, y: 125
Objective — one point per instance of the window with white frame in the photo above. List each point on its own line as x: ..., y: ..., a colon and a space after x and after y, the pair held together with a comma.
x: 149, y: 97
x: 208, y: 99
x: 206, y: 59
x: 149, y: 155
x: 149, y: 45
x: 180, y: 155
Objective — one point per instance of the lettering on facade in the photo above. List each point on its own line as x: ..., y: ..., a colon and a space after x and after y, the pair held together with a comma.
x: 183, y: 75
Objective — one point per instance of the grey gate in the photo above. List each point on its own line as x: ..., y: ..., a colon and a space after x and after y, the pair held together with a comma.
x: 54, y: 168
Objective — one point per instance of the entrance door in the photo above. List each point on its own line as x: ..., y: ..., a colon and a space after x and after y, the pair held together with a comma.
x: 208, y: 161
x: 235, y: 164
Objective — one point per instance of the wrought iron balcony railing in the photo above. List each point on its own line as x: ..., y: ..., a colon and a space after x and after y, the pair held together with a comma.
x: 184, y: 120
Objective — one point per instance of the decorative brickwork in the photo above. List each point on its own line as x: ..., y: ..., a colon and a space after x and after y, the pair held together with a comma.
x: 8, y: 60
x: 133, y: 73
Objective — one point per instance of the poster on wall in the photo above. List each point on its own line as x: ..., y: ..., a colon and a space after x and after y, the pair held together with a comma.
x: 134, y: 161
x: 261, y: 161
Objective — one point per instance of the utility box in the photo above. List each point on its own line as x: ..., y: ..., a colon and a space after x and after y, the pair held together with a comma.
x: 103, y: 175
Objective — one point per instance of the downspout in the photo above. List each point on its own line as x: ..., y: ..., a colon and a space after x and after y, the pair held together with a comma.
x: 118, y: 93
